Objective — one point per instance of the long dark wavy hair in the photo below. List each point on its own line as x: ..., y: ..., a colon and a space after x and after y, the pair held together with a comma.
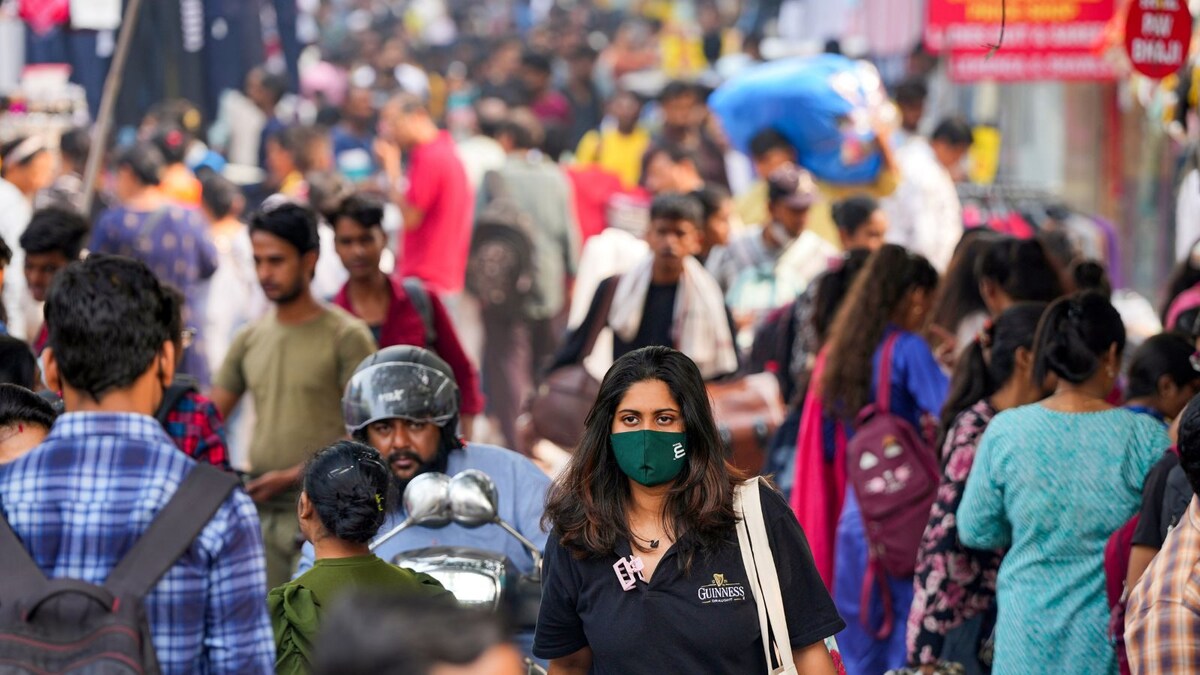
x: 880, y: 289
x: 959, y: 295
x: 586, y: 504
x: 989, y: 361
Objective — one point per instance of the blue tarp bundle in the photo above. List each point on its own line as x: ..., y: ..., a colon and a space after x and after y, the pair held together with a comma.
x: 822, y: 104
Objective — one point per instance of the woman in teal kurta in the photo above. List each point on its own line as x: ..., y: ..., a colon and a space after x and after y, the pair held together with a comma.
x: 1051, y: 482
x: 341, y: 508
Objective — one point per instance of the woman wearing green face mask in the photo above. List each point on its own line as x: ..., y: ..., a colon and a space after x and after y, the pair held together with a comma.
x: 642, y: 572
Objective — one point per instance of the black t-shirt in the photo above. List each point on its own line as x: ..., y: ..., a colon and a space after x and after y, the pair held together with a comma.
x: 657, y: 320
x: 1151, y: 530
x: 702, y: 622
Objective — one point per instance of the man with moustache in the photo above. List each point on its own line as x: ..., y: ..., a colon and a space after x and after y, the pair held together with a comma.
x: 404, y: 402
x: 294, y: 362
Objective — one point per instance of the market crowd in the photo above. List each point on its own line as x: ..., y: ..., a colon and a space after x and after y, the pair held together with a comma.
x: 514, y: 256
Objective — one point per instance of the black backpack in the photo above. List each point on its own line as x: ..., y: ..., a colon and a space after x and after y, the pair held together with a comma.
x: 500, y: 265
x: 419, y: 297
x: 1176, y: 498
x: 73, y: 627
x: 181, y: 386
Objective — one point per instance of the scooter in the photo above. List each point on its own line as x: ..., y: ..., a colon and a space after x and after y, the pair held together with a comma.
x: 480, y: 579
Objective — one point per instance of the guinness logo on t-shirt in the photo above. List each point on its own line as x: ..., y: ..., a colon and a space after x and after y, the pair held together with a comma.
x: 721, y: 590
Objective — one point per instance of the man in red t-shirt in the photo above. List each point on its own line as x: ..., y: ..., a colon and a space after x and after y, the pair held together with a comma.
x: 436, y: 202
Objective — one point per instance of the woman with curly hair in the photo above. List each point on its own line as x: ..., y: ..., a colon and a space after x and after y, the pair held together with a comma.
x: 892, y: 296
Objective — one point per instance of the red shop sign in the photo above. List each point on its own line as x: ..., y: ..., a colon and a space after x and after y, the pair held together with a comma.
x: 1157, y: 33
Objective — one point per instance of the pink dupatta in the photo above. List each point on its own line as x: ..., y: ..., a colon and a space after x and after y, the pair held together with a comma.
x: 819, y: 488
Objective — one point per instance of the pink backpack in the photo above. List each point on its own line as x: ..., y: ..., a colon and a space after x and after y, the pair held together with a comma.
x: 895, y: 476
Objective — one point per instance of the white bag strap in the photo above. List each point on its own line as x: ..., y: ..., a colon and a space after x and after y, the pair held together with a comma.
x: 764, y: 578
x: 751, y: 568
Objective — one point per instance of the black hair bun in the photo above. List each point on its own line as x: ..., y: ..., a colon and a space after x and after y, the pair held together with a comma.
x: 347, y: 484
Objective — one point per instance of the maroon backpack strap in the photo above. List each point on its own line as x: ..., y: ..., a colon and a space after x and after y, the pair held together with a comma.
x: 876, y: 577
x: 883, y: 388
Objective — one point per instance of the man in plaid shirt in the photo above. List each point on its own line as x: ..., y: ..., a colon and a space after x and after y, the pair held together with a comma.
x: 191, y: 420
x: 1162, y: 624
x: 81, y: 499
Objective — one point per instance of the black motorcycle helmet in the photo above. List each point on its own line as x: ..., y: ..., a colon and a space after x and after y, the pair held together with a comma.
x: 403, y: 382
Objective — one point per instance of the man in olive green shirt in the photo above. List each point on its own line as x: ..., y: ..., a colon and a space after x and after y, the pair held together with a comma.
x: 295, y: 363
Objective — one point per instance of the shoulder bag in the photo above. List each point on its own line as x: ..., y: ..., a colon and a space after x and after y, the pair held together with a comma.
x: 559, y: 407
x: 764, y: 582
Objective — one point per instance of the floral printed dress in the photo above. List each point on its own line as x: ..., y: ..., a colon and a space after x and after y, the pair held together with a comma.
x: 953, y: 584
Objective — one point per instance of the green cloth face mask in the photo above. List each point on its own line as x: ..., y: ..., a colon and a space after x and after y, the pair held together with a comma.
x: 650, y: 457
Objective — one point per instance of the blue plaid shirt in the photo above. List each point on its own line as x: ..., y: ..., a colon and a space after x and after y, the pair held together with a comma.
x: 81, y: 499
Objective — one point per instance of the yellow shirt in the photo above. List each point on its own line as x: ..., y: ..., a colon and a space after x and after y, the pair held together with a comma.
x: 614, y: 151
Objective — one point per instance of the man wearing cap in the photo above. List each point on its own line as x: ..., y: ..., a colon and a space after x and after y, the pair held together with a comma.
x: 767, y: 249
x: 404, y: 402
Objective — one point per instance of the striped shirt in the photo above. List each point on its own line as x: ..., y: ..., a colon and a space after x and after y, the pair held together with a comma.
x: 81, y: 499
x: 1162, y: 625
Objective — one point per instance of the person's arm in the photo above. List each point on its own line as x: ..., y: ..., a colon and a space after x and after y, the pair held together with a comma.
x: 1147, y: 539
x: 1140, y: 557
x: 579, y: 663
x: 237, y: 636
x: 814, y: 660
x: 571, y: 352
x: 273, y: 483
x: 982, y: 521
x: 390, y: 158
x: 206, y: 252
x: 224, y: 400
x: 922, y: 375
x: 889, y: 174
x: 230, y: 382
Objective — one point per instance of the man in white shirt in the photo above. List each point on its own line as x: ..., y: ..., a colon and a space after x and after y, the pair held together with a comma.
x: 925, y: 213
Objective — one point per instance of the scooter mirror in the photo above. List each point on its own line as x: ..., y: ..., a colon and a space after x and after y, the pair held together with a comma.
x: 426, y: 500
x: 473, y: 498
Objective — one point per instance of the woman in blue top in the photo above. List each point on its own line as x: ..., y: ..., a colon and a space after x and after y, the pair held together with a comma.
x: 1050, y: 483
x: 893, y: 294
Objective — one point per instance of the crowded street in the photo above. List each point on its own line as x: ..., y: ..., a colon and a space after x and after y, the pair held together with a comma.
x: 613, y: 337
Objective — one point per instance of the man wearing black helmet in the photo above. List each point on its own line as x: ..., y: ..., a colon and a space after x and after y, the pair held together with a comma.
x: 404, y: 401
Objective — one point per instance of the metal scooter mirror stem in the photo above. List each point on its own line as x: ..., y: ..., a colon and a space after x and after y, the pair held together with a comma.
x: 425, y: 502
x: 473, y: 503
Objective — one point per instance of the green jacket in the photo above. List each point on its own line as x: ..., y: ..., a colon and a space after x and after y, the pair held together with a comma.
x: 296, y: 606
